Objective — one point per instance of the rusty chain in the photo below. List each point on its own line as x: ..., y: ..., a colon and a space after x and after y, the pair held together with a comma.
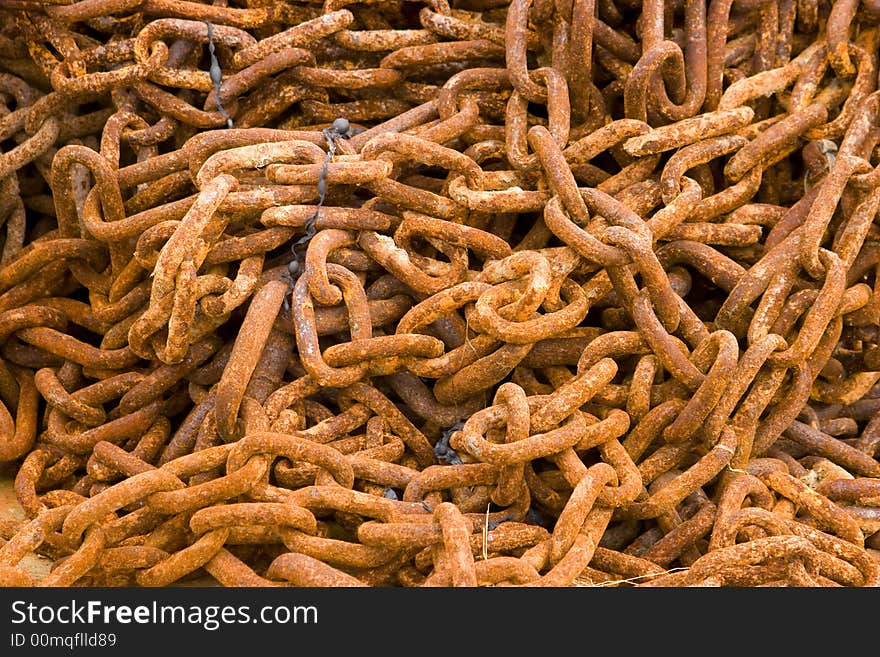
x: 428, y: 294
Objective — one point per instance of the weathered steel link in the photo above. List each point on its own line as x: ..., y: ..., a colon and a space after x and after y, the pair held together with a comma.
x: 494, y: 293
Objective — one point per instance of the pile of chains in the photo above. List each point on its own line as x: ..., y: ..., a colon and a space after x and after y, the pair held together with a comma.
x: 383, y: 293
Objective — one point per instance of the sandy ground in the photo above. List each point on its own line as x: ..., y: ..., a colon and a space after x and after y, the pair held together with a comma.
x: 10, y: 509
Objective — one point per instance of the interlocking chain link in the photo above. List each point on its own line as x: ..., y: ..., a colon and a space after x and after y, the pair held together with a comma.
x: 484, y: 293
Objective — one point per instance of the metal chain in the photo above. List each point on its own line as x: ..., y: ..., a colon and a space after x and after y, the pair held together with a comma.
x: 522, y: 293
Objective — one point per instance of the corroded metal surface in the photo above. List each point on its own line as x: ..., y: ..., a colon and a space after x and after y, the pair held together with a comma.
x: 422, y: 294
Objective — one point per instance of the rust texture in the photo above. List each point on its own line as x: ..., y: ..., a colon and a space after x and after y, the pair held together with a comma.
x: 485, y: 293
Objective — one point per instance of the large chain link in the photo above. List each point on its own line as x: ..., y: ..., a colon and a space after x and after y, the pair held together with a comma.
x: 371, y: 293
